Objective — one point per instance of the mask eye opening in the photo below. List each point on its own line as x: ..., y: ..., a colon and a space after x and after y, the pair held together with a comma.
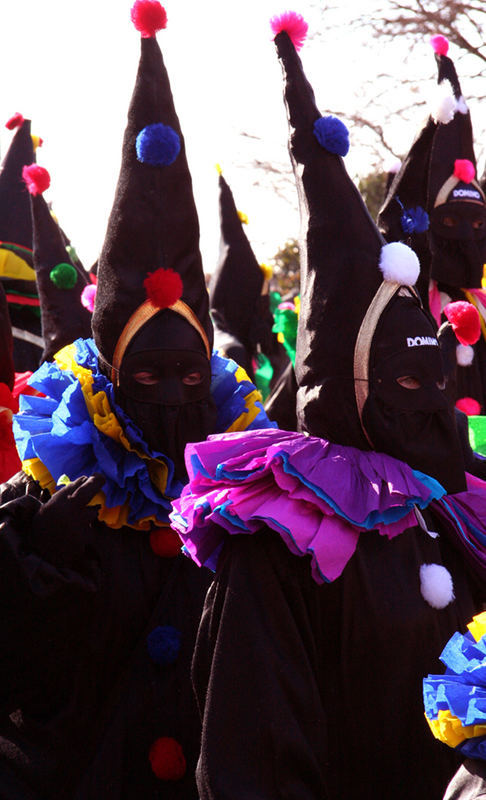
x: 409, y: 382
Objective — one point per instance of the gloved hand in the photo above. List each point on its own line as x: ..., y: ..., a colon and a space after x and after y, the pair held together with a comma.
x: 61, y: 526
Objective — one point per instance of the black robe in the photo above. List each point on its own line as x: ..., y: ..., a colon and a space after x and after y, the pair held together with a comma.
x: 314, y: 692
x: 81, y: 701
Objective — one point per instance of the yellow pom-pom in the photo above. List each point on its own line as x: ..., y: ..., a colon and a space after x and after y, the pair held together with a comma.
x: 267, y: 271
x: 218, y: 169
x: 243, y: 218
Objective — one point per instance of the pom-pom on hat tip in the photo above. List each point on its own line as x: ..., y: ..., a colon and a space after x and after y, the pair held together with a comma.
x: 440, y: 44
x: 148, y: 17
x: 294, y: 26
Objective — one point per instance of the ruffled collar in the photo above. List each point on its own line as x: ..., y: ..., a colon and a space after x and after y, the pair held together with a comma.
x: 76, y: 429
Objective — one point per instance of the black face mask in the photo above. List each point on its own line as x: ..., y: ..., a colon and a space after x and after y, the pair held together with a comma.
x: 407, y: 413
x: 166, y: 391
x: 457, y: 240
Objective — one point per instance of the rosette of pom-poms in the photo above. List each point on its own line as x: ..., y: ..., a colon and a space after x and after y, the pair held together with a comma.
x: 157, y: 144
x: 455, y: 702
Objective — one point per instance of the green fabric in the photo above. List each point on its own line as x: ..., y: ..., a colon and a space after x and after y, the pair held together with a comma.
x: 263, y: 375
x: 477, y: 433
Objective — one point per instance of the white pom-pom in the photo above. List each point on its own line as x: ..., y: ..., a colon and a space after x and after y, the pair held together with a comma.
x: 399, y: 264
x: 443, y: 104
x: 464, y: 355
x: 436, y: 585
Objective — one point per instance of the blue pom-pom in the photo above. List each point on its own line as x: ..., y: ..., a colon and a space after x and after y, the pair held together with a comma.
x: 163, y: 644
x: 158, y: 145
x: 414, y: 220
x: 332, y: 134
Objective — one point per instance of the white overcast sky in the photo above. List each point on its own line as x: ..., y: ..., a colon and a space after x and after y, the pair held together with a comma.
x: 70, y: 67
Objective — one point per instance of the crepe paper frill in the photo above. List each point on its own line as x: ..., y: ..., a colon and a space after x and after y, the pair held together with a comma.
x: 455, y: 703
x: 77, y: 429
x: 318, y: 496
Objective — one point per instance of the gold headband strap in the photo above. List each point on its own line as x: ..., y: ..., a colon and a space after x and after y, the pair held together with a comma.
x: 363, y: 345
x: 140, y: 317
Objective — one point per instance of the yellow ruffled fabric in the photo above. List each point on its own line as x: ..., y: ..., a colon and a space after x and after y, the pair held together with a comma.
x: 106, y: 422
x: 448, y: 728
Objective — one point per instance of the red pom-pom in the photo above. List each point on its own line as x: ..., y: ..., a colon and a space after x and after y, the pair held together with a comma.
x: 148, y: 16
x: 469, y: 406
x: 464, y: 318
x: 293, y: 24
x: 167, y: 759
x: 163, y: 287
x: 15, y: 122
x: 37, y: 179
x: 464, y: 170
x: 165, y: 542
x: 440, y: 45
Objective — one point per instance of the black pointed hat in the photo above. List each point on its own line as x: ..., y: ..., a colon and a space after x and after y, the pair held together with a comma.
x: 237, y: 282
x: 348, y: 274
x: 450, y: 178
x: 16, y: 257
x: 59, y: 283
x: 150, y: 259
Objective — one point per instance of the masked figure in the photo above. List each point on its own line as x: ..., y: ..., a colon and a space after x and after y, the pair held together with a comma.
x: 436, y: 205
x: 333, y: 592
x: 99, y: 607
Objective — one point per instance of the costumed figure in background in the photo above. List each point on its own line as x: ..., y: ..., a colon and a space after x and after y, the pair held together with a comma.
x: 99, y: 609
x: 437, y: 206
x: 239, y: 300
x: 455, y: 707
x: 333, y: 593
x: 16, y: 258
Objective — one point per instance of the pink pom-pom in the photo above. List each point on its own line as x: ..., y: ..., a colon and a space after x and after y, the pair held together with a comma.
x: 148, y: 16
x: 167, y: 759
x: 163, y: 287
x: 37, y: 179
x: 464, y: 318
x: 469, y: 406
x: 464, y: 170
x: 293, y: 24
x: 440, y: 45
x: 15, y: 122
x: 88, y: 296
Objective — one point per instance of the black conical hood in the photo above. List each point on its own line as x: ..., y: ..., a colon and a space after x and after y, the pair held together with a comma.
x: 453, y: 140
x: 154, y: 221
x: 340, y: 250
x: 237, y: 281
x: 15, y: 213
x: 408, y: 194
x: 59, y: 283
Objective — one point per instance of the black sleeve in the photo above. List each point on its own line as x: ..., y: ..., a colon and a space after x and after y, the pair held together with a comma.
x: 255, y: 677
x: 42, y: 606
